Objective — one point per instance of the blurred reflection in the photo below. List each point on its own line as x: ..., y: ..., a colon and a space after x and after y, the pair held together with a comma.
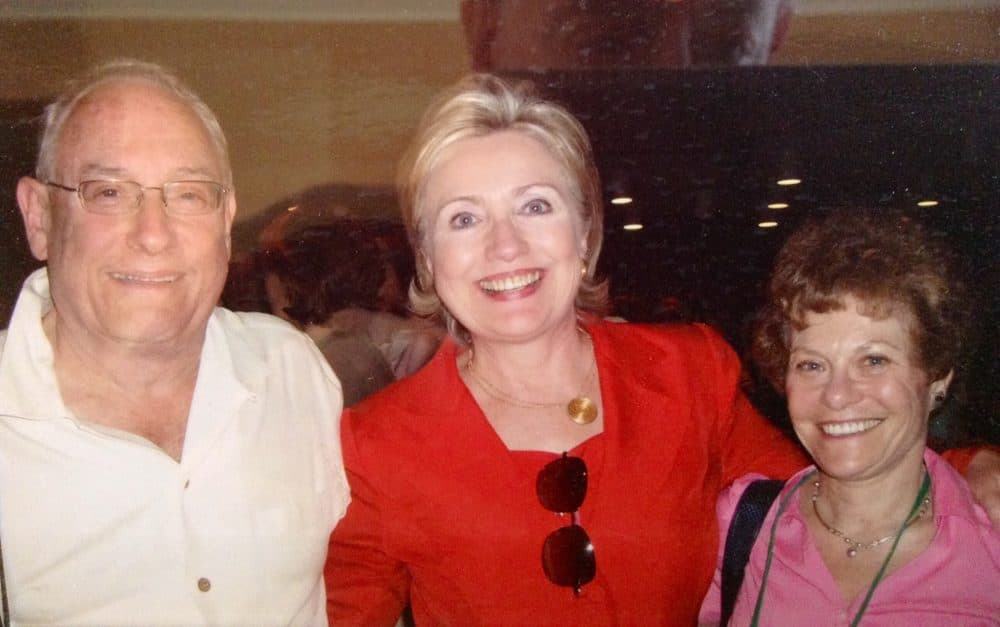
x: 511, y: 35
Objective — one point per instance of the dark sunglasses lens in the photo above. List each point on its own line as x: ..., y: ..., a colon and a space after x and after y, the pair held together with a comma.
x: 562, y: 484
x: 568, y: 557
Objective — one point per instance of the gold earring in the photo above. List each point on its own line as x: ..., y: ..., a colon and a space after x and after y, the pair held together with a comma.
x: 583, y: 267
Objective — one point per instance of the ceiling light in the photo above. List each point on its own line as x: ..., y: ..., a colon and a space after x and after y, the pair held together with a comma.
x: 631, y: 218
x: 927, y: 203
x: 789, y: 181
x: 767, y: 224
x: 778, y: 205
x: 621, y: 200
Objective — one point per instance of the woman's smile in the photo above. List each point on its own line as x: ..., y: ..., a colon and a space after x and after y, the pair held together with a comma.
x: 851, y: 427
x: 515, y: 282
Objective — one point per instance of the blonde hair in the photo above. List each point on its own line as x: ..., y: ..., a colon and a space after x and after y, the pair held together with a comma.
x: 62, y: 108
x: 478, y: 105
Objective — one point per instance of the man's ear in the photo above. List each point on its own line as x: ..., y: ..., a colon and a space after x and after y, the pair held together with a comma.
x: 33, y: 200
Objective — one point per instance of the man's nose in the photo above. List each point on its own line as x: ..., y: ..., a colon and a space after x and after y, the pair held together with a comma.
x: 152, y: 229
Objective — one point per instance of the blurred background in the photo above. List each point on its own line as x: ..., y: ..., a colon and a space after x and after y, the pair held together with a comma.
x: 718, y: 125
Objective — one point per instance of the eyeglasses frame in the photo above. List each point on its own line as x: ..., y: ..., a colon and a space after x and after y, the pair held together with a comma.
x: 78, y: 190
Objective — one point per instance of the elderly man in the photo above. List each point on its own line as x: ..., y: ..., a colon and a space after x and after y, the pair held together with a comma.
x: 162, y: 461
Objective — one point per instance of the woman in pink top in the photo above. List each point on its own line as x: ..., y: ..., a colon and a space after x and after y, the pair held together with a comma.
x: 863, y: 332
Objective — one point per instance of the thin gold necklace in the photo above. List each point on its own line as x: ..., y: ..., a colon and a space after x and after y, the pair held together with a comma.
x: 581, y: 408
x: 853, y: 546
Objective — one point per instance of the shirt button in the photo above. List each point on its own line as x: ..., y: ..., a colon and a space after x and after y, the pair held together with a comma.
x: 204, y: 584
x: 187, y: 482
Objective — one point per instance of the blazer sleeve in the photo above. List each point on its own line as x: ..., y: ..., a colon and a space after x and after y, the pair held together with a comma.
x: 959, y: 458
x: 750, y: 443
x: 365, y: 585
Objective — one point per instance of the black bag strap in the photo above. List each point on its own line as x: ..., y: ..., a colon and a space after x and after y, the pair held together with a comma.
x: 743, y: 529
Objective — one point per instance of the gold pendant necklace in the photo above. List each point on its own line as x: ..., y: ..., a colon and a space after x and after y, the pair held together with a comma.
x: 581, y: 409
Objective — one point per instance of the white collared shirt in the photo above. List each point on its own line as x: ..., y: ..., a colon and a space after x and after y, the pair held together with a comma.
x: 101, y: 527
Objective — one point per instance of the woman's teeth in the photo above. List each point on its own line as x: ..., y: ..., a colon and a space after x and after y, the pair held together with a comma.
x: 849, y: 428
x: 510, y: 283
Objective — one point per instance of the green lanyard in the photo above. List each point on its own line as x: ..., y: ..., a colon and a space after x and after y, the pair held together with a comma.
x: 924, y: 490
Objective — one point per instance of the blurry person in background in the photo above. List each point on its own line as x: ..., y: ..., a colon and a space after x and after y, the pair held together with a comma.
x: 162, y: 461
x: 408, y: 341
x: 865, y: 330
x: 519, y: 35
x: 333, y: 281
x: 325, y: 280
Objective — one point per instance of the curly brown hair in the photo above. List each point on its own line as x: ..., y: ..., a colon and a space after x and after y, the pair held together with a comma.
x: 883, y: 258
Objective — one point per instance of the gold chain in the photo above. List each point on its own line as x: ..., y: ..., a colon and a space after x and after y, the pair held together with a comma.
x: 581, y: 409
x: 853, y: 545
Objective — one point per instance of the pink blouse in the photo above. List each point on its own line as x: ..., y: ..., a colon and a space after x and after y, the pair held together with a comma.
x: 955, y: 581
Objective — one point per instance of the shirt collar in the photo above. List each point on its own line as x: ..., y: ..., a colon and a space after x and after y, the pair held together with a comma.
x: 28, y: 384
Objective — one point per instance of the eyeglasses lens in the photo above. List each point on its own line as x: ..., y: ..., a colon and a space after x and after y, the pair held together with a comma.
x: 180, y: 197
x: 562, y: 484
x: 568, y: 557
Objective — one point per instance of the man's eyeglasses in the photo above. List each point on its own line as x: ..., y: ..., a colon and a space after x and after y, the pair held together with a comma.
x: 180, y: 198
x: 567, y: 554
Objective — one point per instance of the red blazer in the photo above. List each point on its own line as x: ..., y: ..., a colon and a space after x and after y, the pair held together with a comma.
x: 443, y: 514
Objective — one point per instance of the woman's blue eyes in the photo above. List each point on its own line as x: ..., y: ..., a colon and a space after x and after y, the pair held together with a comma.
x: 876, y: 360
x: 868, y: 361
x: 537, y: 206
x: 462, y: 220
x: 465, y: 219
